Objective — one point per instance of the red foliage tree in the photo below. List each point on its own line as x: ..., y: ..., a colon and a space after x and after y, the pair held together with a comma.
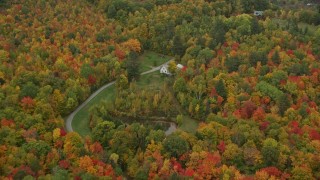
x: 272, y: 171
x: 62, y: 132
x: 108, y: 171
x: 91, y: 80
x: 221, y: 146
x: 247, y: 109
x: 189, y: 172
x: 265, y: 100
x: 205, y: 166
x: 235, y: 46
x: 237, y: 113
x: 27, y: 102
x: 96, y: 147
x: 9, y: 123
x: 25, y: 169
x: 309, y: 52
x: 177, y: 166
x: 264, y: 125
x: 213, y: 92
x: 247, y: 178
x: 120, y: 54
x: 220, y: 52
x: 220, y: 100
x: 314, y: 134
x: 259, y: 114
x: 294, y: 126
x: 58, y: 144
x: 312, y: 104
x: 64, y: 164
x: 290, y: 52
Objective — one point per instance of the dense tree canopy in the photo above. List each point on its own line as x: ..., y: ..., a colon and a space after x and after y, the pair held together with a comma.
x: 249, y: 83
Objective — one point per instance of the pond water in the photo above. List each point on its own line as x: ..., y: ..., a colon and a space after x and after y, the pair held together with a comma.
x: 172, y: 128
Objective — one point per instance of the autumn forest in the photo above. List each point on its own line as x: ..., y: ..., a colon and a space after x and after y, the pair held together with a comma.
x: 160, y: 89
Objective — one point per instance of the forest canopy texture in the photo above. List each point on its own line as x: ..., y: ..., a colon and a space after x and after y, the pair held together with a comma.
x: 249, y: 87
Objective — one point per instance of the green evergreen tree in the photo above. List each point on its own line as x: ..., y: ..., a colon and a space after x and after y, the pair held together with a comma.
x: 218, y: 32
x: 276, y: 57
x: 86, y: 70
x: 283, y: 103
x: 111, y: 11
x: 261, y: 5
x: 257, y: 56
x: 178, y: 48
x: 270, y: 152
x: 232, y: 64
x: 247, y: 6
x: 133, y: 66
x: 221, y: 89
x: 30, y: 90
x: 175, y: 145
x: 255, y: 27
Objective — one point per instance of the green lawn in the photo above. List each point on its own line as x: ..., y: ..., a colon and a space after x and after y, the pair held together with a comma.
x: 153, y: 80
x: 188, y: 124
x: 80, y: 121
x: 150, y: 59
x: 147, y: 60
x: 283, y: 23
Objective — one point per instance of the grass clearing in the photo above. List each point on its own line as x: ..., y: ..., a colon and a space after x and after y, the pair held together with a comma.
x: 283, y: 23
x: 188, y: 124
x: 153, y: 80
x: 80, y: 121
x: 149, y: 60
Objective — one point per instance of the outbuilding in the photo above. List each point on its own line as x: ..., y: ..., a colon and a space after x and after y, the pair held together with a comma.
x: 258, y: 13
x: 165, y: 70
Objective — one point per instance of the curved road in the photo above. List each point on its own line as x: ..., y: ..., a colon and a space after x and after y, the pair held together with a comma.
x: 71, y: 116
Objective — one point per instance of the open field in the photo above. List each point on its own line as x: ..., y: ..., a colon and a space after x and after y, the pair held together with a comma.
x: 188, y: 124
x: 149, y: 60
x: 283, y: 23
x: 153, y: 80
x: 80, y: 121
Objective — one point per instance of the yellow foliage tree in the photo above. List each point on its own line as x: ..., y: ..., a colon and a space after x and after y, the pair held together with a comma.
x: 73, y: 145
x: 85, y: 163
x: 132, y: 45
x: 4, y: 56
x: 56, y: 134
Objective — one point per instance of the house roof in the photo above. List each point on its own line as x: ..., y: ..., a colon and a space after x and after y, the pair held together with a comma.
x: 258, y: 13
x: 180, y: 66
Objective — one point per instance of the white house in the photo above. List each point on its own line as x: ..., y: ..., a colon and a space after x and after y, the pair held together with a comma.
x: 164, y: 70
x: 258, y: 13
